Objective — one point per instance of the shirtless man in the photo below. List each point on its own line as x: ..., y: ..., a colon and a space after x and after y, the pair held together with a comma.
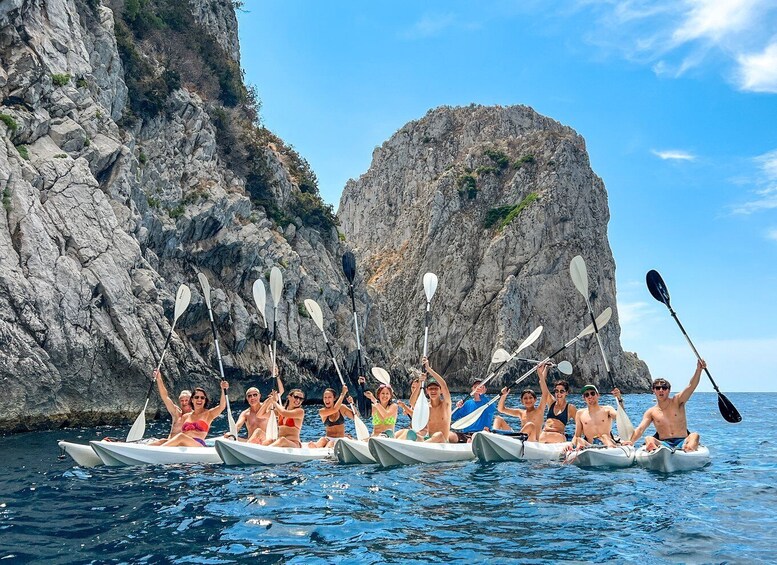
x: 257, y: 414
x: 531, y: 416
x: 176, y: 413
x: 593, y: 424
x: 668, y: 416
x: 438, y: 430
x: 560, y: 413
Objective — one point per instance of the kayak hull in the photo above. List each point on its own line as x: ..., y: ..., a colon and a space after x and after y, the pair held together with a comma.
x: 667, y: 460
x: 389, y: 452
x: 353, y: 452
x: 489, y: 447
x: 591, y: 457
x: 118, y: 454
x: 83, y: 455
x: 243, y: 453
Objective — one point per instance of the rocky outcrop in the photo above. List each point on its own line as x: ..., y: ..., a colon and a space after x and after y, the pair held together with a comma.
x: 496, y: 201
x: 105, y: 213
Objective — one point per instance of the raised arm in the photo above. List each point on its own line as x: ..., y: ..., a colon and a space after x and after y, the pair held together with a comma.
x: 279, y: 382
x: 215, y: 411
x: 546, y: 396
x: 446, y: 394
x: 175, y: 412
x: 509, y: 411
x: 685, y: 395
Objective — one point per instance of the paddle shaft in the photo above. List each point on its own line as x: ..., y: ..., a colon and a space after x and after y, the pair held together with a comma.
x: 232, y: 426
x: 339, y: 374
x: 359, y: 366
x: 159, y: 366
x: 601, y: 347
x: 688, y: 339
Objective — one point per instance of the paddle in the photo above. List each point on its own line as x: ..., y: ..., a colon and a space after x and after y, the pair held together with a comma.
x: 349, y: 268
x: 362, y: 433
x: 473, y: 417
x: 507, y: 357
x: 564, y: 367
x: 182, y: 298
x: 206, y: 294
x: 579, y: 274
x: 421, y: 409
x: 276, y: 290
x: 260, y: 298
x: 659, y: 291
x: 381, y: 375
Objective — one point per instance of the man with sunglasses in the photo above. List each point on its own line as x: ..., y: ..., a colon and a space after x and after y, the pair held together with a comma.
x: 593, y: 424
x: 255, y: 417
x: 668, y: 416
x: 477, y: 399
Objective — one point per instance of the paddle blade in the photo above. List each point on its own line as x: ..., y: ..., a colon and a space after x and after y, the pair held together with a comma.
x: 139, y: 425
x: 579, y: 274
x: 271, y: 433
x: 231, y: 420
x: 727, y: 410
x: 381, y: 375
x: 529, y: 340
x: 362, y: 433
x: 601, y: 321
x: 657, y: 287
x: 276, y: 285
x: 420, y: 413
x: 182, y: 299
x: 260, y: 298
x: 349, y: 266
x: 205, y: 285
x: 430, y: 285
x: 622, y: 422
x: 315, y: 313
x: 500, y: 356
x: 565, y: 367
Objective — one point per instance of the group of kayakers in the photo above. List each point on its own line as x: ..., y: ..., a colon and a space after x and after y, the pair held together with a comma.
x: 545, y: 420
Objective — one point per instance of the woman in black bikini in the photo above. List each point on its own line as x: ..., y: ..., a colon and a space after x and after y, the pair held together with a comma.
x: 333, y: 415
x: 560, y: 412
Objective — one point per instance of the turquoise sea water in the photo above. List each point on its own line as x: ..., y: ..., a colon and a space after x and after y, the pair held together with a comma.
x: 54, y: 512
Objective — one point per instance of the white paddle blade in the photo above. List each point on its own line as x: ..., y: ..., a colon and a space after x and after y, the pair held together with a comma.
x: 565, y: 367
x: 622, y: 422
x: 579, y: 274
x: 362, y: 433
x: 381, y: 375
x: 276, y: 285
x: 500, y: 356
x: 231, y: 420
x: 139, y: 425
x: 271, y: 432
x: 420, y: 413
x: 315, y: 312
x: 260, y: 298
x: 205, y: 288
x: 430, y: 285
x: 529, y: 340
x: 601, y: 321
x: 182, y: 299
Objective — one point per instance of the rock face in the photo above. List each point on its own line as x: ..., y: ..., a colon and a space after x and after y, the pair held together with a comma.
x: 496, y: 201
x: 106, y: 213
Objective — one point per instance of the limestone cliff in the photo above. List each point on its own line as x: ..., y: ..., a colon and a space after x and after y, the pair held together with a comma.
x: 130, y: 158
x: 496, y: 201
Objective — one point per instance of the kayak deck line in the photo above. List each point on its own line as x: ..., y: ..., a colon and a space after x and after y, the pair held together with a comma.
x: 389, y: 452
x: 117, y: 454
x: 667, y: 460
x: 234, y: 452
x: 490, y: 447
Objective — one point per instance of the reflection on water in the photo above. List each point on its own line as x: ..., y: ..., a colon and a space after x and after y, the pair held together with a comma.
x: 321, y: 512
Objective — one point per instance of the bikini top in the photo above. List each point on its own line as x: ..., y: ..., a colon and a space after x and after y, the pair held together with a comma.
x: 378, y: 421
x: 338, y: 422
x: 563, y: 417
x: 197, y: 426
x: 289, y: 422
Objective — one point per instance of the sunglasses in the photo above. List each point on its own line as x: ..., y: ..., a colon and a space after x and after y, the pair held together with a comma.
x: 252, y: 394
x: 660, y: 387
x: 297, y: 397
x: 588, y: 393
x: 198, y: 398
x: 560, y: 391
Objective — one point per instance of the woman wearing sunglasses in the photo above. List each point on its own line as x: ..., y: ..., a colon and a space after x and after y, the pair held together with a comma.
x: 197, y: 422
x: 290, y: 419
x: 560, y: 413
x: 384, y: 412
x: 333, y: 414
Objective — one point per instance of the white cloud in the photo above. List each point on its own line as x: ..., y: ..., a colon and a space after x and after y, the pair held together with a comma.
x: 715, y: 19
x: 766, y: 180
x: 758, y: 71
x: 430, y: 26
x: 674, y: 154
x: 772, y: 234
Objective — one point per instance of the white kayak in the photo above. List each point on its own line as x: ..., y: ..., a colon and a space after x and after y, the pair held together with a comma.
x: 242, y: 453
x: 82, y: 454
x: 353, y: 452
x: 390, y: 451
x: 489, y: 447
x: 621, y: 456
x: 668, y: 460
x: 118, y: 453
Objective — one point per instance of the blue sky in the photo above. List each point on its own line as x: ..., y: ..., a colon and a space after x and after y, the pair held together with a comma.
x: 677, y: 101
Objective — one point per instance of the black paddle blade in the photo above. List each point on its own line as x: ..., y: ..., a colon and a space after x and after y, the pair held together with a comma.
x: 727, y: 410
x: 657, y: 287
x: 349, y: 266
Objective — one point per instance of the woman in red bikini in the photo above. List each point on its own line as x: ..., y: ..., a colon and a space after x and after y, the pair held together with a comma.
x: 197, y: 423
x: 289, y: 419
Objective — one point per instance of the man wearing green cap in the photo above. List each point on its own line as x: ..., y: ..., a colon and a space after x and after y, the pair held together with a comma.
x: 593, y: 424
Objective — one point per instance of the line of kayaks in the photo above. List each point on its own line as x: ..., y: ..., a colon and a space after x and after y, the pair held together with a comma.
x: 387, y: 452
